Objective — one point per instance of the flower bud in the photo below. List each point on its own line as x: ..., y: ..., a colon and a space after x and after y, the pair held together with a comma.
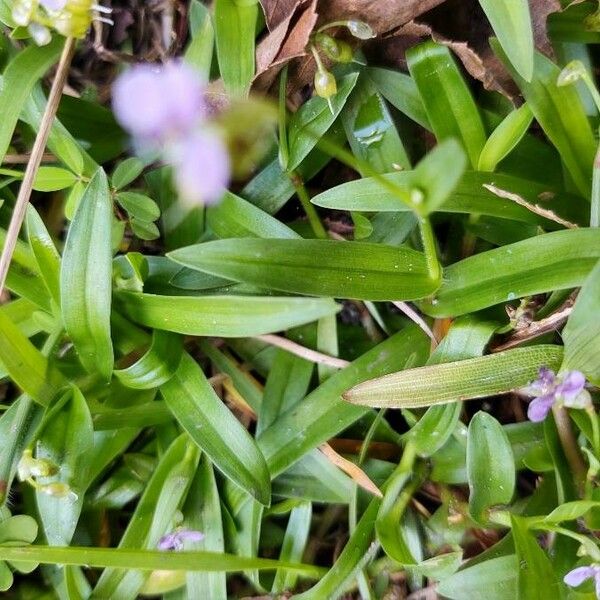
x: 40, y: 33
x: 360, y: 30
x: 57, y: 490
x: 24, y: 466
x: 43, y: 467
x: 325, y: 84
x: 337, y: 50
x: 346, y: 53
x: 572, y: 73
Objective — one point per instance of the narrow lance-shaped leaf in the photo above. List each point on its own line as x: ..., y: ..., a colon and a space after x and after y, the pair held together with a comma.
x: 317, y: 267
x: 561, y: 114
x: 65, y: 440
x: 157, y: 366
x: 235, y: 25
x: 456, y: 381
x: 17, y: 82
x: 223, y: 316
x: 215, y: 430
x: 85, y: 279
x: 448, y: 102
x: 552, y: 261
x: 511, y: 22
x: 581, y: 335
x: 490, y: 466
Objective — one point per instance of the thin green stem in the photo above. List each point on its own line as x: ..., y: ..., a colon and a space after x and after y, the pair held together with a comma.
x: 309, y: 209
x: 595, y: 199
x: 429, y: 248
x: 595, y: 431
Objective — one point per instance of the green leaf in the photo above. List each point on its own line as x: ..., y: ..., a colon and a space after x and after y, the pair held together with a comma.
x: 468, y: 197
x: 235, y: 24
x: 293, y: 546
x: 157, y: 366
x: 126, y: 558
x: 581, y: 335
x: 439, y: 567
x: 85, y: 278
x: 511, y: 22
x: 312, y: 120
x: 457, y: 381
x: 215, y: 430
x: 561, y: 115
x: 401, y: 91
x: 199, y: 52
x: 26, y: 365
x: 571, y: 511
x: 65, y: 440
x: 234, y: 217
x: 448, y: 102
x: 548, y: 262
x: 51, y: 179
x: 224, y: 316
x: 323, y: 414
x: 202, y: 512
x: 494, y: 579
x: 126, y: 172
x: 436, y: 176
x: 370, y: 129
x: 490, y: 466
x: 536, y: 578
x: 505, y: 137
x: 139, y: 206
x: 45, y: 253
x: 152, y: 518
x: 18, y: 80
x: 145, y: 230
x: 317, y: 267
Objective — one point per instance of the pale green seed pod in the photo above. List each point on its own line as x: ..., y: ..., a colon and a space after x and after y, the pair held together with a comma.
x: 325, y: 84
x: 57, y: 490
x: 360, y: 30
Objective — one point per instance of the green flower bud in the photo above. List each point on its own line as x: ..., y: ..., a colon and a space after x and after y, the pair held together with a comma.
x: 337, y: 50
x: 325, y: 84
x: 43, y: 467
x: 572, y: 73
x: 346, y: 53
x: 57, y: 490
x: 360, y: 30
x: 24, y: 466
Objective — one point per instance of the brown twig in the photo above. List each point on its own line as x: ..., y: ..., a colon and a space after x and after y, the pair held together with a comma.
x: 534, y: 208
x: 537, y: 328
x: 303, y: 352
x: 35, y: 159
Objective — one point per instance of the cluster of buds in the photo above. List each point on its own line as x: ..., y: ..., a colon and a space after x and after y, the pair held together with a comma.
x: 71, y: 18
x: 30, y: 468
x: 338, y: 51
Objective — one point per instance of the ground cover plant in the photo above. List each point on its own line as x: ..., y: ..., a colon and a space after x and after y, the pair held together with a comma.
x: 299, y: 298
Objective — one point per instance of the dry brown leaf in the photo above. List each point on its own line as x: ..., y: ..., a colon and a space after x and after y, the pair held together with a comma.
x: 278, y: 11
x: 540, y: 9
x: 381, y: 15
x: 293, y: 46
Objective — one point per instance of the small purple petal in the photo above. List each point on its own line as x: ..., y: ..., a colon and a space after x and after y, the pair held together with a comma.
x: 572, y: 385
x: 579, y: 575
x: 175, y: 539
x: 167, y: 542
x: 597, y: 583
x: 543, y: 384
x: 53, y: 4
x: 546, y: 376
x: 155, y: 104
x: 138, y: 102
x: 202, y: 168
x: 539, y: 408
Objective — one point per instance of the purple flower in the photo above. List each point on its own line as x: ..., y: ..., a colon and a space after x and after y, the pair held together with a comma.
x: 165, y: 111
x: 175, y: 539
x: 567, y: 388
x: 157, y: 103
x: 577, y: 576
x: 201, y: 167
